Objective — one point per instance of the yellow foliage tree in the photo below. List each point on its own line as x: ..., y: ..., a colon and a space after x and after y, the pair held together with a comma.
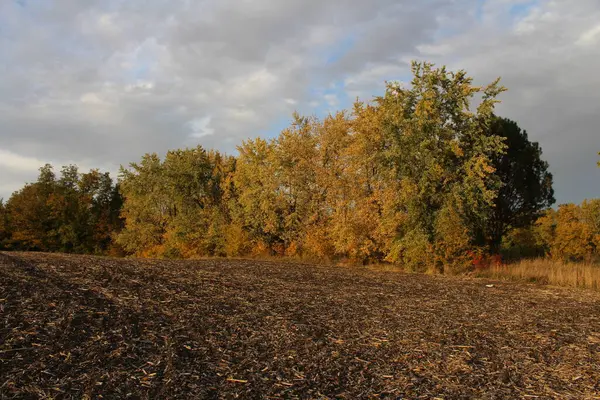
x: 571, y: 233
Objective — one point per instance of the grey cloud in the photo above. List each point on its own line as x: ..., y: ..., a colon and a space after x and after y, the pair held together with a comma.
x: 102, y: 82
x: 552, y: 80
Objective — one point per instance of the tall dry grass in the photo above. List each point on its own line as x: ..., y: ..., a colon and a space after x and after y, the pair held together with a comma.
x: 582, y: 275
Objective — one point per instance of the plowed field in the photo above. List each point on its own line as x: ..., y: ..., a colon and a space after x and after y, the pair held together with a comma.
x: 92, y: 327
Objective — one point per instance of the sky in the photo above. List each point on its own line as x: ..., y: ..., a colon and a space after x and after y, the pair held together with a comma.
x: 99, y: 83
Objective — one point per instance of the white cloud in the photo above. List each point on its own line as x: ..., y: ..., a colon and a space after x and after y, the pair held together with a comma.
x: 589, y: 37
x: 92, y: 99
x: 17, y: 162
x: 332, y: 100
x: 200, y: 127
x: 140, y: 85
x: 362, y: 83
x: 108, y: 24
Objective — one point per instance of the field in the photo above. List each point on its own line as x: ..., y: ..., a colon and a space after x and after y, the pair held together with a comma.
x: 87, y: 327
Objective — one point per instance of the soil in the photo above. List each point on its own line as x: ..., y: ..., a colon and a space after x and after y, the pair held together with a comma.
x: 94, y: 327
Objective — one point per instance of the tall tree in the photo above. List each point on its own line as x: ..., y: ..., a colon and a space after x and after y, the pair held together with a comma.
x: 173, y: 207
x: 362, y: 192
x: 262, y: 205
x: 526, y: 182
x: 443, y: 157
x: 100, y: 206
x: 32, y: 221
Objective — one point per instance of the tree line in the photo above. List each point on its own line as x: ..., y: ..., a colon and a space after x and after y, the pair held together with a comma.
x: 74, y: 212
x: 418, y: 177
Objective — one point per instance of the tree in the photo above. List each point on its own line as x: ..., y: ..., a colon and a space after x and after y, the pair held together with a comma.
x: 442, y: 154
x: 417, y: 177
x: 294, y: 157
x: 363, y: 190
x: 545, y: 230
x: 100, y: 205
x: 75, y: 213
x: 572, y: 233
x: 574, y: 238
x: 590, y: 215
x: 146, y: 207
x: 175, y: 207
x: 70, y: 211
x: 4, y: 232
x: 32, y: 221
x: 526, y: 182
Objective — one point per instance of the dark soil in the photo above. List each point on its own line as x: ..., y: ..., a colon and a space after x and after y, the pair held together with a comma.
x: 89, y: 327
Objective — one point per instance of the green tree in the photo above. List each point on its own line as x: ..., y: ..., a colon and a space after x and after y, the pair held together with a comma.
x: 146, y: 207
x: 100, y: 204
x: 526, y: 183
x: 69, y: 211
x: 442, y: 154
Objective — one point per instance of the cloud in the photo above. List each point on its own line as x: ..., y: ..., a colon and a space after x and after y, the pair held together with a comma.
x: 545, y: 60
x: 589, y: 37
x: 200, y: 127
x: 18, y: 163
x: 102, y: 82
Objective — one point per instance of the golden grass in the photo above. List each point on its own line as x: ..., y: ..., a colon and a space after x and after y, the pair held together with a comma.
x: 582, y: 275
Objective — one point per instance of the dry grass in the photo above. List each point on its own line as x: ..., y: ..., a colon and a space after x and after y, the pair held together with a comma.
x: 581, y: 275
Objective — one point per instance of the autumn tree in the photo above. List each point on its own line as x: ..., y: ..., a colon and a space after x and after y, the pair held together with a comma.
x: 417, y: 177
x: 320, y: 189
x: 261, y: 203
x: 571, y: 233
x: 573, y: 238
x: 590, y: 210
x: 327, y: 231
x: 364, y: 190
x: 67, y: 214
x: 174, y: 208
x: 31, y: 219
x: 442, y: 154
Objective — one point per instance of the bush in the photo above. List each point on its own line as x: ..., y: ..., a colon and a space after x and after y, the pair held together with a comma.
x: 413, y: 252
